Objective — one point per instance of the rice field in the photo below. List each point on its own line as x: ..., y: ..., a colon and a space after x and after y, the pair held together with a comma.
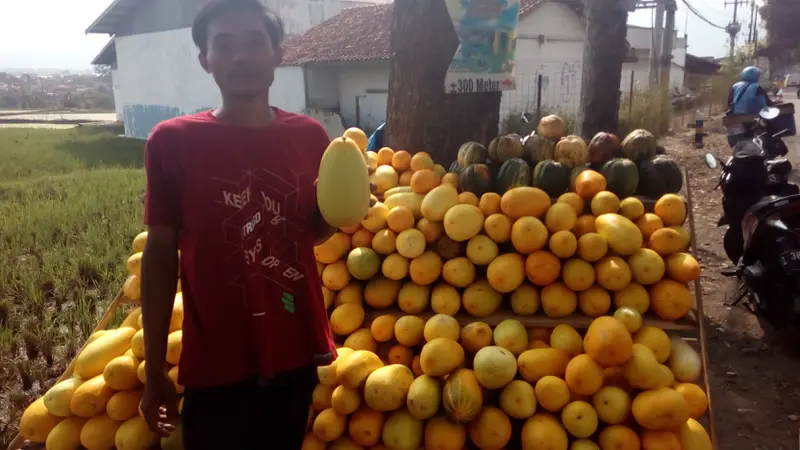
x: 70, y: 203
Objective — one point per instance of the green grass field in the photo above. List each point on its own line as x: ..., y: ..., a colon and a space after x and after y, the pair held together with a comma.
x: 70, y: 204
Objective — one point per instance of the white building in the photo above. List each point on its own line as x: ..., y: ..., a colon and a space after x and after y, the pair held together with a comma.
x: 342, y: 65
x: 155, y: 71
x: 641, y: 40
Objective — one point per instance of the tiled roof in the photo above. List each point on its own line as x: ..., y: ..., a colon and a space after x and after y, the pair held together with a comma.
x: 356, y: 34
x: 360, y: 34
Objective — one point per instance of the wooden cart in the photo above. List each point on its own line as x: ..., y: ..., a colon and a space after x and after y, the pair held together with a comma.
x: 691, y: 328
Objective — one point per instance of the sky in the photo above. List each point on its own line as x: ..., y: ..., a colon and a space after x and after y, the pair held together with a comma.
x: 50, y: 34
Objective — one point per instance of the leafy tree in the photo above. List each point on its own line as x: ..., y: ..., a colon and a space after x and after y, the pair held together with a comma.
x: 783, y: 35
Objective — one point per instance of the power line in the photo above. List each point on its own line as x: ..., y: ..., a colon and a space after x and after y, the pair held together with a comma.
x: 701, y: 16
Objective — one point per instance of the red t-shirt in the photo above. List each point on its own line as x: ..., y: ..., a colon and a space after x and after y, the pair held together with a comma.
x: 244, y: 202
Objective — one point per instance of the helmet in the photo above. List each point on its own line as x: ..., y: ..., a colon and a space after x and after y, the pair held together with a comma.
x: 751, y: 74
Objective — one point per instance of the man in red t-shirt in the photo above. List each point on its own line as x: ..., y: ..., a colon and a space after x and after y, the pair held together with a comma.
x: 233, y: 189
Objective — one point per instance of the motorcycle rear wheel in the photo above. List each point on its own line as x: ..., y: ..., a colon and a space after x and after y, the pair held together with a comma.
x: 733, y: 244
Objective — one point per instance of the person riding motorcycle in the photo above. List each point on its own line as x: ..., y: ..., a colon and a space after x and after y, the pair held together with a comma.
x: 746, y: 98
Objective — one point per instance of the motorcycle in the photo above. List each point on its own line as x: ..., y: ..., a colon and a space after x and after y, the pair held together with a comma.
x: 762, y: 211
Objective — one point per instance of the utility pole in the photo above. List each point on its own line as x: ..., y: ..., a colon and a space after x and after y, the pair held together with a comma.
x: 752, y: 27
x: 666, y: 48
x: 734, y: 27
x: 666, y: 57
x: 655, y: 54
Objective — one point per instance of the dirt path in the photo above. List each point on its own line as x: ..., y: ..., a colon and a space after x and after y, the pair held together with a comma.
x: 755, y: 386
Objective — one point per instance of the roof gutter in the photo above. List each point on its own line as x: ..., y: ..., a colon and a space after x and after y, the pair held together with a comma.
x: 102, y: 16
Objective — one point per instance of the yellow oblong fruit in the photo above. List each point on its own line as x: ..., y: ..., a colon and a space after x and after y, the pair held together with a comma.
x: 387, y: 387
x: 134, y: 264
x: 660, y: 409
x: 93, y: 359
x: 358, y: 136
x: 440, y: 356
x: 463, y: 222
x: 120, y: 373
x: 544, y: 431
x: 91, y: 397
x: 135, y: 435
x: 491, y: 429
x: 693, y: 436
x: 132, y: 288
x: 37, y: 422
x: 98, y: 432
x: 139, y: 242
x: 343, y: 184
x: 424, y: 397
x: 66, y: 435
x: 621, y: 234
x: 438, y: 201
x: 124, y: 405
x: 57, y: 398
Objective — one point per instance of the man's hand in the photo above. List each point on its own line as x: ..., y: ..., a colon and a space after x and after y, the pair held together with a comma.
x: 160, y: 405
x: 323, y: 359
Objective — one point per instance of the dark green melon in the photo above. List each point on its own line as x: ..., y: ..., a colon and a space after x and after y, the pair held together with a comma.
x: 513, y: 173
x: 503, y: 148
x: 659, y: 176
x: 538, y: 149
x: 551, y: 177
x: 472, y: 153
x: 455, y: 168
x: 622, y: 177
x: 494, y: 168
x: 476, y: 178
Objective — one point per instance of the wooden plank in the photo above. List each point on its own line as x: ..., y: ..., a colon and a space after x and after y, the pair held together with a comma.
x: 120, y: 299
x: 538, y: 320
x: 698, y: 292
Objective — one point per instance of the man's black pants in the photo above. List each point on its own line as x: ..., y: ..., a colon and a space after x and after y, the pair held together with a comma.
x: 249, y: 415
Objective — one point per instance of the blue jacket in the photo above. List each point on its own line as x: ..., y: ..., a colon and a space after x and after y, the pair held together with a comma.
x: 746, y: 96
x: 375, y: 142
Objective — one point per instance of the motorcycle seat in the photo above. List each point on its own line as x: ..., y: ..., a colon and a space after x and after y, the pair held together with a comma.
x: 747, y: 150
x: 768, y: 204
x: 779, y: 166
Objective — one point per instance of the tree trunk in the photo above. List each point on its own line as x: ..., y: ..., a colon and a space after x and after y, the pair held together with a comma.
x: 604, y: 53
x: 421, y: 117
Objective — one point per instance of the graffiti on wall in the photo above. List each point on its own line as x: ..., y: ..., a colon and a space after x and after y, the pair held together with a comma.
x: 560, y: 88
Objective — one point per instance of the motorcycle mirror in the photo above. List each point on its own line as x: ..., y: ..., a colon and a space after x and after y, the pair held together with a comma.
x: 769, y: 113
x: 711, y: 162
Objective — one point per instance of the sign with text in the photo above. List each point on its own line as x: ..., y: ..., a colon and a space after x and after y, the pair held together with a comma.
x: 487, y: 36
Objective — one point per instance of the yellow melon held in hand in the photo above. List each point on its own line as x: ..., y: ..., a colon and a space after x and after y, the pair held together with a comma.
x: 343, y: 184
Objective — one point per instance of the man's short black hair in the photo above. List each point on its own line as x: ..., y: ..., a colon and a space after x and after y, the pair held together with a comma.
x: 216, y: 8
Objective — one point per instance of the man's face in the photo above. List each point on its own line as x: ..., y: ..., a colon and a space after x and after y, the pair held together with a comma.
x: 240, y: 55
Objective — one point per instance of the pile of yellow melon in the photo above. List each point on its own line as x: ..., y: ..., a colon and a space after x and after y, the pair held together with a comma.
x: 97, y: 407
x: 427, y: 299
x: 510, y: 388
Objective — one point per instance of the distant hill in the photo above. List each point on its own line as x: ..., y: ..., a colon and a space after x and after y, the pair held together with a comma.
x: 47, y: 72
